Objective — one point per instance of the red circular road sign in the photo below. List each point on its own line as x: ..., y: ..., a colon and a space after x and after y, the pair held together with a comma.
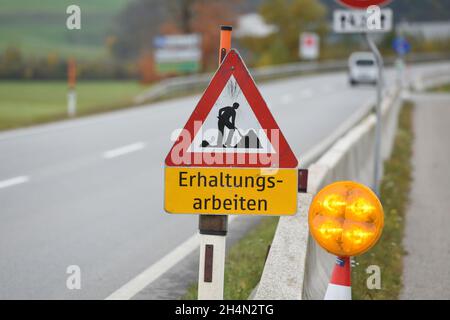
x: 361, y: 4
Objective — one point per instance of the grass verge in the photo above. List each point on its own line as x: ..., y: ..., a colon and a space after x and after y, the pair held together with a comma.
x: 443, y: 89
x: 27, y: 103
x: 245, y: 262
x: 395, y: 187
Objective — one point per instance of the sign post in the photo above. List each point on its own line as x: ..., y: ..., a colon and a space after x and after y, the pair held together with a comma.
x: 177, y: 54
x: 230, y: 158
x: 213, y: 229
x: 71, y: 82
x: 401, y: 47
x: 371, y: 20
x: 360, y: 21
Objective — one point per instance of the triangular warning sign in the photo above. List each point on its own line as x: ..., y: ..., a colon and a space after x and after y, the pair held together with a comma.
x: 231, y: 126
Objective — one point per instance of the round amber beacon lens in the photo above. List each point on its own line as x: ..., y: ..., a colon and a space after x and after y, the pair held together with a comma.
x: 346, y: 218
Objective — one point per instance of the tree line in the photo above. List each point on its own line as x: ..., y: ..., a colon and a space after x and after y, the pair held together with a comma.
x: 129, y: 41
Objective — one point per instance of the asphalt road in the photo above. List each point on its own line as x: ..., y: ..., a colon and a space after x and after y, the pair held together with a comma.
x: 89, y: 192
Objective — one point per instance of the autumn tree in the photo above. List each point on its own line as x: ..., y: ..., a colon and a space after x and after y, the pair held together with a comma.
x: 209, y: 15
x: 291, y: 17
x: 144, y: 19
x: 203, y: 17
x: 136, y: 26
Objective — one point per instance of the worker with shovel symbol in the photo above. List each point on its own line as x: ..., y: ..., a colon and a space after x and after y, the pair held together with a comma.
x: 227, y: 118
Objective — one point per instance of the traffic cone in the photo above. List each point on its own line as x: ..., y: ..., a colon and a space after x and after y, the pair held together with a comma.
x: 339, y: 287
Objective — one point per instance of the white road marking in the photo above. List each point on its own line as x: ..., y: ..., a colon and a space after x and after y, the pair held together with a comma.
x: 152, y: 273
x: 123, y: 150
x: 13, y: 181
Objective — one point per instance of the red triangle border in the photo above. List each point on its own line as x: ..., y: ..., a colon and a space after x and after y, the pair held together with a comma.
x: 233, y: 65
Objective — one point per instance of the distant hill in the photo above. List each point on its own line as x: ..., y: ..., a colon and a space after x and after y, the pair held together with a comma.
x: 38, y: 27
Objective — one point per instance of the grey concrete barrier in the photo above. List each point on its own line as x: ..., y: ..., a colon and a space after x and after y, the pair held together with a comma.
x: 296, y: 268
x: 432, y: 80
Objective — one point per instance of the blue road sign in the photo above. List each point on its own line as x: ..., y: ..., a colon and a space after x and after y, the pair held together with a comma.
x: 401, y: 46
x: 159, y: 41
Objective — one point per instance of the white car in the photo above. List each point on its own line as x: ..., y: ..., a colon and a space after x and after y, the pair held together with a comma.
x: 362, y: 68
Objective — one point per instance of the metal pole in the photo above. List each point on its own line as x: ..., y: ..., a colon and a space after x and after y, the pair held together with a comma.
x: 213, y: 228
x: 401, y: 59
x: 380, y: 84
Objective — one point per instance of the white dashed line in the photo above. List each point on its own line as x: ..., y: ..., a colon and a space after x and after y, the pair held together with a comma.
x: 13, y: 181
x: 123, y: 150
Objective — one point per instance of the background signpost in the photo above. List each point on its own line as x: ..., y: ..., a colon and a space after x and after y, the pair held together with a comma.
x: 309, y: 46
x: 402, y: 47
x: 356, y: 21
x: 362, y: 4
x: 371, y: 20
x: 178, y: 54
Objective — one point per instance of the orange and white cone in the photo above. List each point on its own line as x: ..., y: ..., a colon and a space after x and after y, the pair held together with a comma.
x: 339, y: 287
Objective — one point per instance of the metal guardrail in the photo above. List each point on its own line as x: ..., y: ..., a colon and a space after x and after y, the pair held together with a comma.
x: 188, y: 84
x: 196, y: 82
x: 432, y: 80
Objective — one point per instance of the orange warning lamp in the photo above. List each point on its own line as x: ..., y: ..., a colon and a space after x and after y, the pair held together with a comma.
x: 346, y: 218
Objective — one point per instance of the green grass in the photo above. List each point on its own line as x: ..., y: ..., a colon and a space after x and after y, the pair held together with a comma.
x: 52, y: 6
x: 39, y: 27
x: 245, y: 262
x: 443, y: 89
x: 395, y: 187
x: 27, y: 103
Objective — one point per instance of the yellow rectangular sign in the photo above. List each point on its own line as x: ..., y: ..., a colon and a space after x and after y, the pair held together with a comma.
x: 231, y: 191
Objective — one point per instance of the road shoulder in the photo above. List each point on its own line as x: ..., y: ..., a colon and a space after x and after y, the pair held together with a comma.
x: 427, y: 239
